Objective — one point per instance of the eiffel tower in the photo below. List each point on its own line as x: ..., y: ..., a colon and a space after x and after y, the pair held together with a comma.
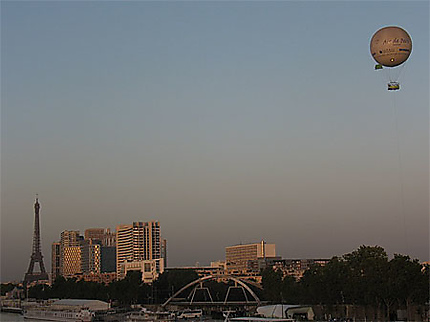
x: 36, y: 256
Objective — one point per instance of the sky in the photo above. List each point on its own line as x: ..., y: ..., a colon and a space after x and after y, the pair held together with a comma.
x: 227, y: 122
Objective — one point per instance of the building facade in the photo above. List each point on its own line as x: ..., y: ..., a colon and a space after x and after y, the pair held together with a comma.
x: 71, y: 261
x: 95, y: 233
x: 108, y: 259
x: 103, y: 235
x: 55, y: 260
x: 91, y: 256
x: 137, y: 243
x: 164, y: 251
x: 240, y: 259
x: 124, y: 246
x: 70, y: 238
x: 104, y: 257
x: 75, y: 254
x: 70, y: 252
x: 149, y: 268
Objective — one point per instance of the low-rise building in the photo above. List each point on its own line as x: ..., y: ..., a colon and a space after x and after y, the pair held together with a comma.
x: 244, y: 259
x: 150, y: 269
x: 105, y: 278
x: 297, y: 267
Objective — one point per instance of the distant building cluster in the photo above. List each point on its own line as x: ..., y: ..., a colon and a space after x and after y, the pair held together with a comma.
x: 248, y: 260
x: 103, y: 256
x: 297, y: 267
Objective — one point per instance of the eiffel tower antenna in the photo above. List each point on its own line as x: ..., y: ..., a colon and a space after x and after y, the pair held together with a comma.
x: 36, y: 255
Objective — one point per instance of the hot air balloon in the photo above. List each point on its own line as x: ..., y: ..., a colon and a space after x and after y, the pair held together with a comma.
x: 390, y: 47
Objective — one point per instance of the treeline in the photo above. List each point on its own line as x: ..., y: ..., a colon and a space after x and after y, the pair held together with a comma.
x: 364, y: 277
x: 130, y: 290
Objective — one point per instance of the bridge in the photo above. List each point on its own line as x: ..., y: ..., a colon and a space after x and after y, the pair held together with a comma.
x: 198, y: 288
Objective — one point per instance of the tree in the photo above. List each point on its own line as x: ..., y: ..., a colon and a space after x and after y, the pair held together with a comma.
x: 367, y: 269
x: 129, y: 290
x: 7, y: 287
x: 272, y: 284
x: 312, y: 285
x: 408, y: 281
x: 39, y: 291
x: 289, y: 290
x: 58, y: 288
x: 336, y: 281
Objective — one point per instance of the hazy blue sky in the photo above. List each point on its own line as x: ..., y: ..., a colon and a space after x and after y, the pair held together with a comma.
x: 228, y: 122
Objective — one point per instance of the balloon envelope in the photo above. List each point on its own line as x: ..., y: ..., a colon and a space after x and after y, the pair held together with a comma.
x: 391, y: 46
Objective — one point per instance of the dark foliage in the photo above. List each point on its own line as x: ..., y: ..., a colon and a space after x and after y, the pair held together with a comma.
x: 363, y: 277
x: 4, y: 288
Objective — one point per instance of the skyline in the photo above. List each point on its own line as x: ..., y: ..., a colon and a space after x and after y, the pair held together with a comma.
x: 226, y: 122
x: 197, y: 263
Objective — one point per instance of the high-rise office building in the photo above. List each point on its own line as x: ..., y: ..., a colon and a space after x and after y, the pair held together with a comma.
x: 109, y: 239
x: 70, y: 252
x: 124, y: 246
x: 95, y: 233
x: 71, y: 261
x: 91, y: 256
x: 100, y: 246
x: 55, y: 260
x: 103, y: 235
x: 138, y: 242
x: 108, y: 259
x: 164, y: 251
x: 74, y: 254
x: 70, y: 238
x: 146, y: 240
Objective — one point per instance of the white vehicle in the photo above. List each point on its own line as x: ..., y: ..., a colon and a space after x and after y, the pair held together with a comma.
x: 149, y: 316
x: 190, y: 314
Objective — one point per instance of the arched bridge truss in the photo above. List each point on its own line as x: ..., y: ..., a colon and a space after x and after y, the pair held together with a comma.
x: 198, y: 286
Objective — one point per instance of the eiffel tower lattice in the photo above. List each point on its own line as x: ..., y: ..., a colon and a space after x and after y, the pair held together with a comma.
x: 36, y: 256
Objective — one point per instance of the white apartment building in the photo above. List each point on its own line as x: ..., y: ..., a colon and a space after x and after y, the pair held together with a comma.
x: 137, y: 243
